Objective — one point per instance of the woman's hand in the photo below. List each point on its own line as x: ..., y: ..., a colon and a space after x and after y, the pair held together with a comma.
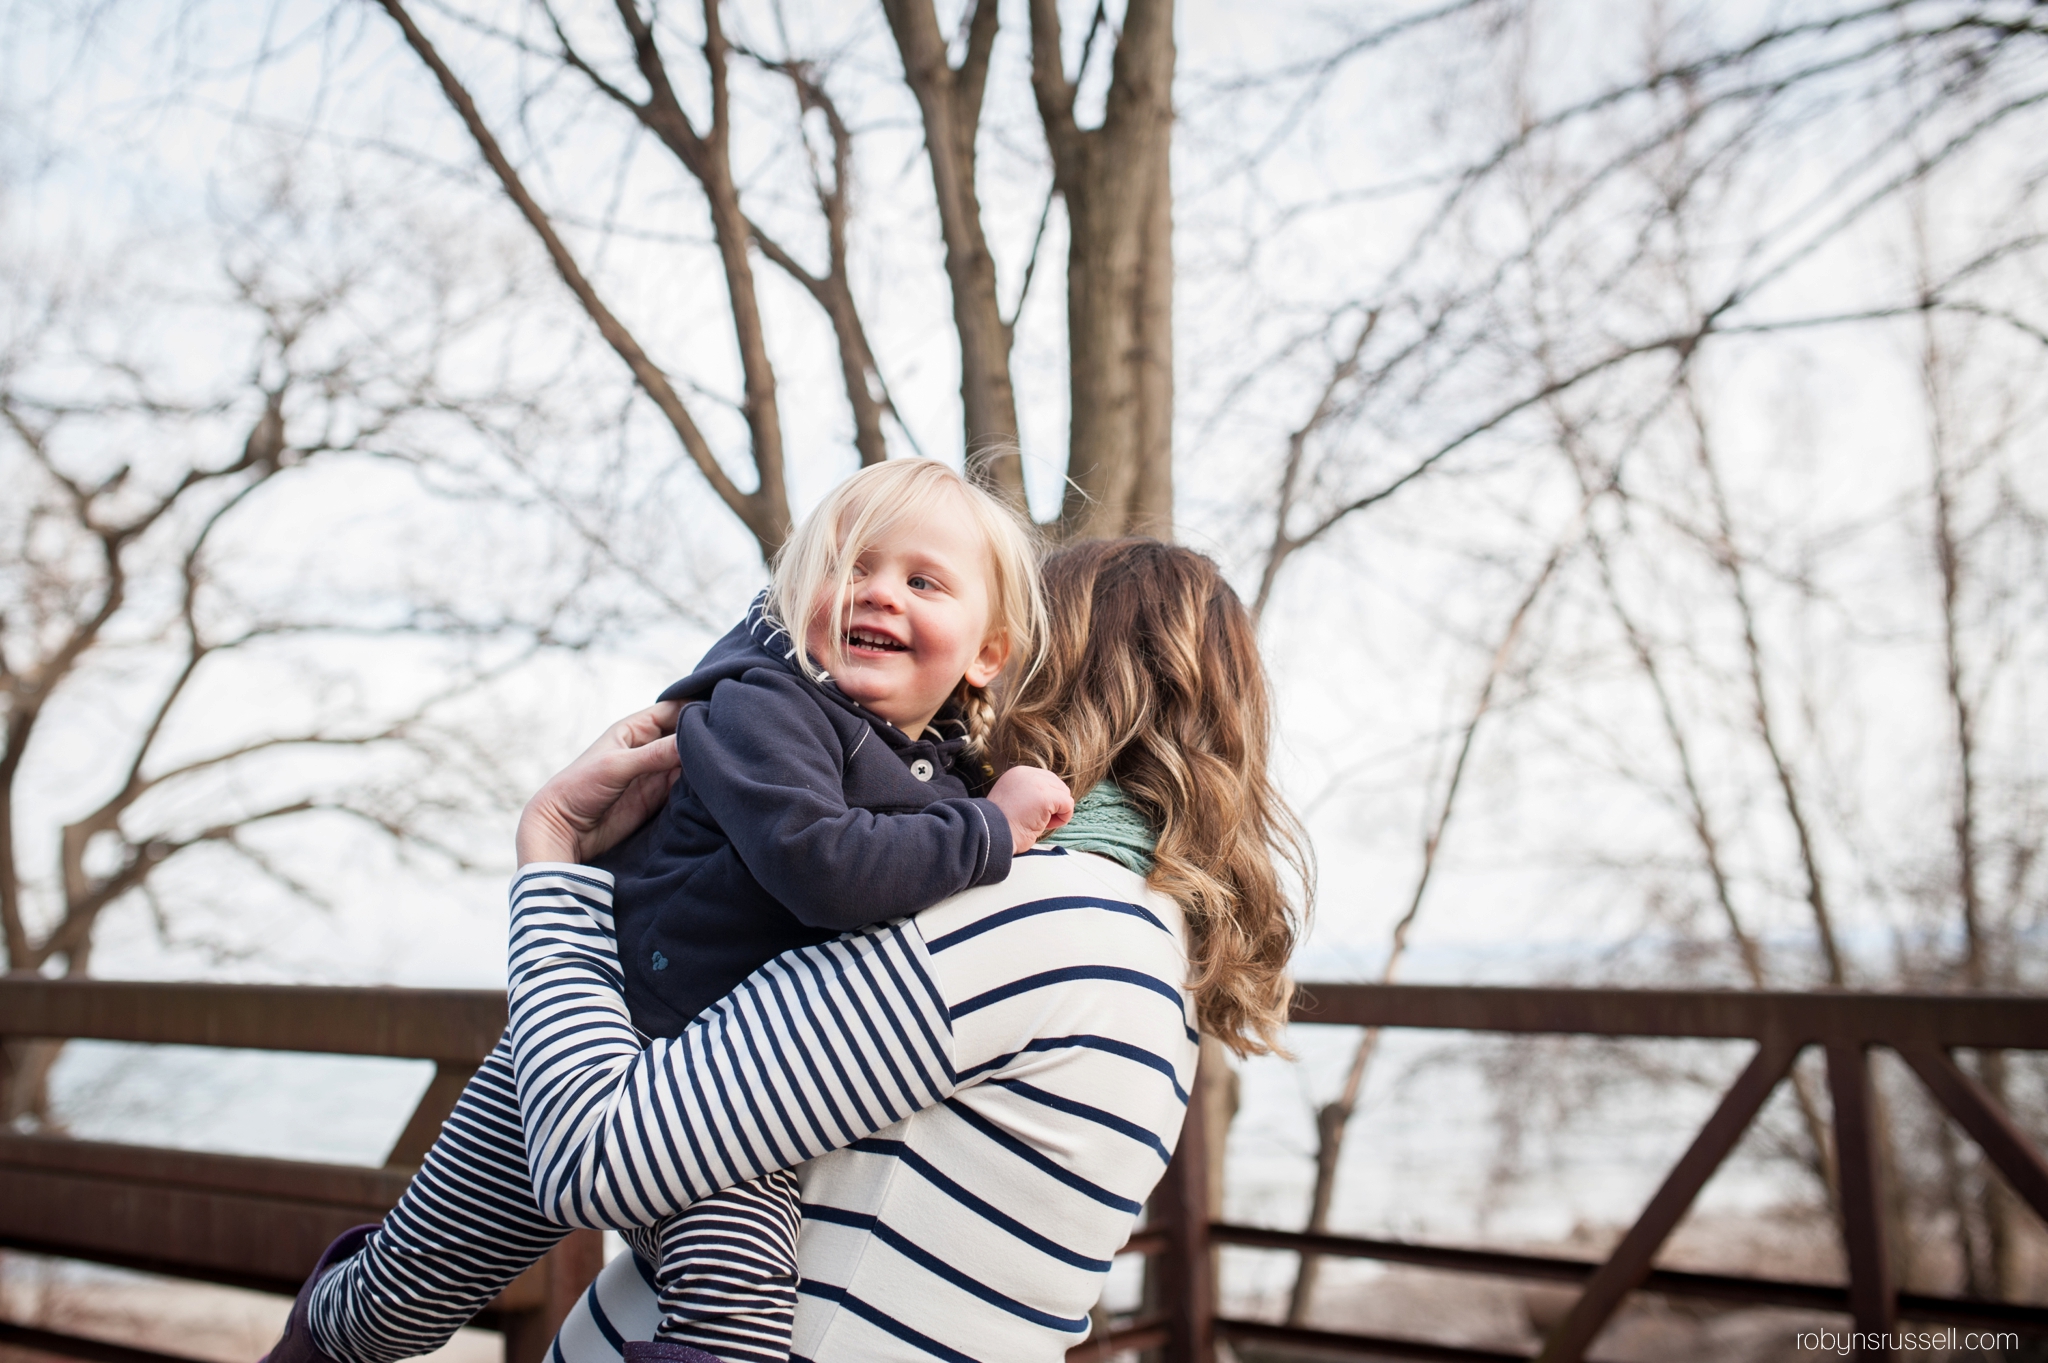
x: 590, y: 805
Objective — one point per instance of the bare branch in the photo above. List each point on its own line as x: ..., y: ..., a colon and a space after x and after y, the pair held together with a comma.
x: 762, y: 511
x: 1334, y: 1118
x: 1049, y: 76
x: 833, y: 290
x: 1729, y: 560
x: 1297, y: 444
x: 74, y: 931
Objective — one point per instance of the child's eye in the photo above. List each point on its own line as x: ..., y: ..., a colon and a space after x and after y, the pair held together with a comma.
x: 919, y: 582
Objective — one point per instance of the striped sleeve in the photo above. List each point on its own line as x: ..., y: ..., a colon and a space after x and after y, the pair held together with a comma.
x: 819, y: 1048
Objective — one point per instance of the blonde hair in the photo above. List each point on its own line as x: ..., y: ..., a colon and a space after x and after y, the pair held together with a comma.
x: 818, y: 561
x: 1150, y: 677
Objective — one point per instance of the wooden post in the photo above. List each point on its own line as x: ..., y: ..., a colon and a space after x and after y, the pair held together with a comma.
x: 444, y: 1090
x: 1185, y: 1274
x: 567, y: 1270
x: 1856, y: 1156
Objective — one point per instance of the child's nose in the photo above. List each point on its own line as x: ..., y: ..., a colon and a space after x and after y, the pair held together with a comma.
x: 881, y: 592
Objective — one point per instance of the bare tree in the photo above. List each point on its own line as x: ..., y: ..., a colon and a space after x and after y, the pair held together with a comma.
x: 1333, y: 1119
x: 1444, y: 370
x: 1113, y: 179
x: 1967, y: 521
x: 133, y: 485
x: 1559, y: 297
x: 1501, y: 298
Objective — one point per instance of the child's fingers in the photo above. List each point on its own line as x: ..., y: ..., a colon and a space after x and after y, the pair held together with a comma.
x: 1060, y: 805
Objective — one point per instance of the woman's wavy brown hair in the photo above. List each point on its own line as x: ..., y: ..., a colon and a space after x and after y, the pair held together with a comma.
x: 1150, y: 676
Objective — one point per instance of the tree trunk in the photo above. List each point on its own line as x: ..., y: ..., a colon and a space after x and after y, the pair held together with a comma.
x: 1117, y: 186
x: 1151, y: 510
x: 1117, y: 183
x: 13, y: 931
x: 25, y: 1082
x: 950, y: 98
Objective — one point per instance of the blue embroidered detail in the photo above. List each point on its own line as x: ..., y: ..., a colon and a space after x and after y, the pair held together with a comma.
x: 660, y: 961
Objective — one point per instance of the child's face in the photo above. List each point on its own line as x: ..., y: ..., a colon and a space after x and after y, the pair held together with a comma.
x: 918, y: 621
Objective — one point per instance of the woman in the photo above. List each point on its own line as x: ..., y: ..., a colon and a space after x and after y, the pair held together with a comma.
x: 980, y: 1097
x: 1039, y: 1082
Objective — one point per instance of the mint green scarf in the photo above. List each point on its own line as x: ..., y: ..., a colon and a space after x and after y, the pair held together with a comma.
x: 1106, y: 822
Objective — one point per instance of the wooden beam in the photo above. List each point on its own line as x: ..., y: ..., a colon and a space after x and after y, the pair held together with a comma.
x: 450, y: 1078
x: 1972, y: 1105
x: 426, y: 1024
x: 1626, y: 1269
x: 1976, y: 1020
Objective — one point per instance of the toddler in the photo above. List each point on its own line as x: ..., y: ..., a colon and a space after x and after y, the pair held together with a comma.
x: 831, y: 751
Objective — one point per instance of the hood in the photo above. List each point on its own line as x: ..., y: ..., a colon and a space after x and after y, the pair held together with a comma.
x: 759, y: 640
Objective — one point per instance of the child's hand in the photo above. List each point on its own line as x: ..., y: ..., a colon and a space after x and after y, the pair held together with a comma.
x: 1034, y: 801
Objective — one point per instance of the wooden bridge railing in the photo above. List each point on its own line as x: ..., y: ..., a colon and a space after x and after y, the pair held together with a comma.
x: 260, y: 1223
x: 234, y: 1219
x: 1922, y: 1030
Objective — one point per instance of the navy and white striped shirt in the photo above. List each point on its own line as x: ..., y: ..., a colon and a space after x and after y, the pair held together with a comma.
x: 980, y: 1097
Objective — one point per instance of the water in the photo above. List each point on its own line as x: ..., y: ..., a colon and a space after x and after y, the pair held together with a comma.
x: 333, y: 1108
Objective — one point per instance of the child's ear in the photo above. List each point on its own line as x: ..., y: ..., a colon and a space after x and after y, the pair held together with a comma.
x: 988, y: 664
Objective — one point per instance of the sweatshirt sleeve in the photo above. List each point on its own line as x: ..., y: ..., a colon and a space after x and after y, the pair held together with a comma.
x: 819, y: 1048
x: 767, y: 765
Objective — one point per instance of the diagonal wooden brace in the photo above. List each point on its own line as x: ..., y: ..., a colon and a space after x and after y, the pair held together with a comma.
x: 1630, y: 1264
x: 1973, y: 1107
x: 450, y: 1078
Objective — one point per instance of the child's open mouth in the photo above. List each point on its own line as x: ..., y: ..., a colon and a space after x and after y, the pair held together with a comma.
x: 860, y: 638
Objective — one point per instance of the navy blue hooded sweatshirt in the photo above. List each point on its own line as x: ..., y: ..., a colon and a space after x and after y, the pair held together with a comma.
x: 799, y: 816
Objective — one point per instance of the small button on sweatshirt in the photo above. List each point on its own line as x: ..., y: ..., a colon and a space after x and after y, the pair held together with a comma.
x: 798, y: 816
